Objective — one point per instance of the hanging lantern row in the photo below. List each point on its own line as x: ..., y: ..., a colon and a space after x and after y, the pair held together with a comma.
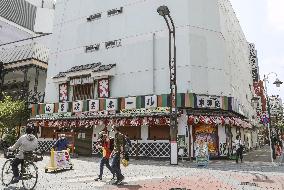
x: 107, y: 122
x: 218, y: 120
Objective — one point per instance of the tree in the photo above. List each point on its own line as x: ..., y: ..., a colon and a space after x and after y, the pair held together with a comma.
x: 12, y: 114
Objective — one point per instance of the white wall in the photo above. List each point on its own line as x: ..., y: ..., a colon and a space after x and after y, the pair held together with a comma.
x: 143, y: 55
x: 44, y: 20
x: 212, y: 52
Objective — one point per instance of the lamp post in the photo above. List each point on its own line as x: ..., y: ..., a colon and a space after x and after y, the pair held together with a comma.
x: 277, y: 83
x: 165, y: 13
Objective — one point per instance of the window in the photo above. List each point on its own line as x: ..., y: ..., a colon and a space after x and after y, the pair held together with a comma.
x: 161, y: 132
x: 48, y: 132
x: 83, y: 91
x: 133, y: 132
x: 113, y: 12
x: 82, y: 88
x: 94, y: 17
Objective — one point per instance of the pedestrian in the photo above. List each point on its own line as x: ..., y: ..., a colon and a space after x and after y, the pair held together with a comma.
x: 117, y: 154
x: 61, y: 143
x: 239, y: 149
x: 105, y: 145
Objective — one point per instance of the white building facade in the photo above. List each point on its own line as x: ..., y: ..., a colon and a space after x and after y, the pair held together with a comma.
x: 120, y: 49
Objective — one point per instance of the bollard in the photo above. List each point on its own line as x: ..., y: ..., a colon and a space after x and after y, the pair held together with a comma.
x: 52, y: 164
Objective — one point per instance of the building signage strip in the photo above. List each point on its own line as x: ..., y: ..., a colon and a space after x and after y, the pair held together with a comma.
x: 133, y: 103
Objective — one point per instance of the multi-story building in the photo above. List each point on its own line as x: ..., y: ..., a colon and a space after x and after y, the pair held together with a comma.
x: 25, y: 29
x: 109, y: 66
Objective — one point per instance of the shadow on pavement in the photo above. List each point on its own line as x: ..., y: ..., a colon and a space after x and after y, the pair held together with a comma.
x: 129, y: 187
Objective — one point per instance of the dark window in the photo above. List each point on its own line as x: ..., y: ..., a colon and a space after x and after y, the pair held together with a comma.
x: 83, y: 91
x: 133, y: 132
x: 161, y: 132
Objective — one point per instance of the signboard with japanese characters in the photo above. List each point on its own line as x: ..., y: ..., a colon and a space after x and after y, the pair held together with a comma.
x: 150, y: 102
x: 111, y: 104
x: 204, y: 101
x: 77, y: 106
x: 75, y: 81
x: 130, y: 103
x: 81, y: 80
x: 94, y: 105
x: 63, y: 92
x: 49, y: 108
x: 103, y: 88
x: 63, y: 107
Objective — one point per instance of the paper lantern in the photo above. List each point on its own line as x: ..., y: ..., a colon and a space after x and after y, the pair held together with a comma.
x: 227, y: 121
x: 196, y: 120
x: 190, y: 120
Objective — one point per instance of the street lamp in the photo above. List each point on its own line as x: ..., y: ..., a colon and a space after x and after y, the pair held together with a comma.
x: 277, y: 83
x: 165, y: 13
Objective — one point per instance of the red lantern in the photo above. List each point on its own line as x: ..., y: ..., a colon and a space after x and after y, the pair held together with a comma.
x: 190, y: 120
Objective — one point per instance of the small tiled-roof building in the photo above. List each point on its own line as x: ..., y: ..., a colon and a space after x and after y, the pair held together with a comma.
x: 24, y: 71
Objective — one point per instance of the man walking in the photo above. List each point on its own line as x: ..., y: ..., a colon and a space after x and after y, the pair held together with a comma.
x: 105, y: 145
x: 117, y: 153
x: 239, y: 149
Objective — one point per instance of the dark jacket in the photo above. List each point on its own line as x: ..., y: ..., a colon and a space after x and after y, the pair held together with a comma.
x: 61, y: 144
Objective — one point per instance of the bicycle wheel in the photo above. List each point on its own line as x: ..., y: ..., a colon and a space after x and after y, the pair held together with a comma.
x: 29, y: 176
x: 7, y: 173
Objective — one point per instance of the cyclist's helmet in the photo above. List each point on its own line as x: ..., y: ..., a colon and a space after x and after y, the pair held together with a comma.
x: 30, y: 129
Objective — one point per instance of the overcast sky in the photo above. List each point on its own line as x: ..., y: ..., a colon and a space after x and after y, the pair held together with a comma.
x: 263, y: 24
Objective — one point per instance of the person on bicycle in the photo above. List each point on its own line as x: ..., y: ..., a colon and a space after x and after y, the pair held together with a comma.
x: 25, y: 143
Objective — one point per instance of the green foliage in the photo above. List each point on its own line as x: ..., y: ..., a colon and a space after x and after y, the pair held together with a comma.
x: 12, y: 114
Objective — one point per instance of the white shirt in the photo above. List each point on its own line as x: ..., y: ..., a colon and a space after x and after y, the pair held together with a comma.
x: 238, y: 143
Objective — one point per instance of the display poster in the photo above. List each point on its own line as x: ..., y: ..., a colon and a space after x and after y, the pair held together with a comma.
x: 61, y: 159
x: 181, y: 141
x: 209, y: 134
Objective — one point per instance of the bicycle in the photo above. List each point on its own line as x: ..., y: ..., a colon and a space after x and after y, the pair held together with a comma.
x: 28, y: 172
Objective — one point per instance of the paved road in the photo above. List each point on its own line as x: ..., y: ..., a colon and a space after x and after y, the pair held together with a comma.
x: 149, y: 174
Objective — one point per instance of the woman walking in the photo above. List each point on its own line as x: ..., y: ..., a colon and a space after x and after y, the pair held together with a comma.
x: 239, y: 149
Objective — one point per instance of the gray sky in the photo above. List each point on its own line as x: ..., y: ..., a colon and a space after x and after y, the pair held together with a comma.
x: 263, y: 24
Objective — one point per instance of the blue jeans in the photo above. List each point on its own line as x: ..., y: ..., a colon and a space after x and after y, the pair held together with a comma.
x: 115, y: 165
x: 104, y: 161
x: 281, y: 158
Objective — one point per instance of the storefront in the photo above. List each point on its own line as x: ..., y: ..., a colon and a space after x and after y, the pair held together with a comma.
x: 145, y: 119
x: 218, y: 132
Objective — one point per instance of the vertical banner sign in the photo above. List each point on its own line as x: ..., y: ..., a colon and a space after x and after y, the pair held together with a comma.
x: 63, y: 107
x: 111, y: 104
x: 103, y: 88
x: 150, y: 102
x: 63, y: 92
x: 49, y: 108
x: 130, y: 103
x: 77, y: 106
x: 94, y: 105
x: 254, y: 63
